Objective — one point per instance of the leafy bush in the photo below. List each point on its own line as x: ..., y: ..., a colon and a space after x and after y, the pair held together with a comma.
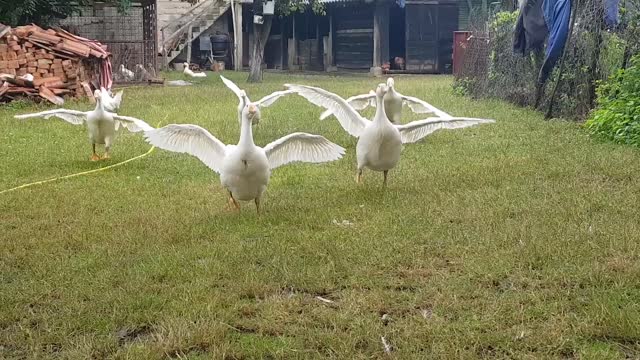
x: 617, y: 116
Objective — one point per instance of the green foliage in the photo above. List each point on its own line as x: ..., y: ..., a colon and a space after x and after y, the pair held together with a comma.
x: 504, y: 18
x: 288, y: 7
x: 46, y: 12
x: 463, y: 86
x: 41, y: 12
x: 617, y: 117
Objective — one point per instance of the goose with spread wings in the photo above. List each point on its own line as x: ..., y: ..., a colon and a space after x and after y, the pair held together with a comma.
x: 393, y: 102
x: 101, y: 124
x: 244, y: 168
x: 110, y: 102
x: 379, y: 141
x: 242, y: 98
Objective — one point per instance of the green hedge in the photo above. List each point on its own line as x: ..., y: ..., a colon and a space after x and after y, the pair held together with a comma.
x: 617, y: 116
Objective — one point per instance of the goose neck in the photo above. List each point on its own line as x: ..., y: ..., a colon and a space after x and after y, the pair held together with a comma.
x: 380, y: 115
x: 246, y: 133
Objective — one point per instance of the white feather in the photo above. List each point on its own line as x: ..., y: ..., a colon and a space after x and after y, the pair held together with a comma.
x: 417, y: 130
x: 71, y: 116
x: 348, y: 117
x: 358, y: 102
x: 271, y: 98
x: 421, y: 107
x: 302, y: 147
x: 233, y: 87
x: 110, y: 103
x: 190, y: 139
x: 264, y: 102
x: 132, y: 124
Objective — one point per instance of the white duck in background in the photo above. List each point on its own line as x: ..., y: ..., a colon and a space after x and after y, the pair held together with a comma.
x: 380, y: 142
x: 101, y: 124
x: 110, y: 102
x: 242, y: 98
x: 393, y: 102
x: 245, y: 168
x: 189, y: 72
x: 126, y: 73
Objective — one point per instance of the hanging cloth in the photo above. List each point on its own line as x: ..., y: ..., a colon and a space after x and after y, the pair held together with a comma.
x: 531, y: 30
x: 611, y: 13
x: 557, y: 15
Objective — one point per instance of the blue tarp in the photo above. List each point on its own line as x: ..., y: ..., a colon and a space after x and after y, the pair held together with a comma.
x: 611, y: 13
x: 557, y: 15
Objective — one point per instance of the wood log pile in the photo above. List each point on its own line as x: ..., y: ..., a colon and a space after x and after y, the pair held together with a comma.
x: 50, y: 64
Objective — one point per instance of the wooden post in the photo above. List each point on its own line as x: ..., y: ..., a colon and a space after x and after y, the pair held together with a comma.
x: 189, y: 35
x: 292, y: 46
x: 318, y: 46
x: 330, y: 46
x: 283, y: 43
x: 380, y: 35
x: 237, y: 33
x: 165, y: 62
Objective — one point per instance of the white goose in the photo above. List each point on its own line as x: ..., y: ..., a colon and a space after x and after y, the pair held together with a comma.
x: 380, y: 142
x: 393, y: 102
x: 190, y: 72
x: 126, y: 73
x: 111, y: 103
x: 101, y: 124
x: 244, y: 168
x: 264, y: 102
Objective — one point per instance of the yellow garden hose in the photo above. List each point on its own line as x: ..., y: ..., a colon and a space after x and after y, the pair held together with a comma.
x: 78, y: 174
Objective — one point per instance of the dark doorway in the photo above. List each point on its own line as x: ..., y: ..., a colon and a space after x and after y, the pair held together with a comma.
x: 397, y: 45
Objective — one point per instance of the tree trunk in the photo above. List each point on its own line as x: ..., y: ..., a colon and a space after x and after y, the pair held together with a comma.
x: 260, y: 37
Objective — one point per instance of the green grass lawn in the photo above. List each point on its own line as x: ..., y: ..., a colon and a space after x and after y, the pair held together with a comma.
x: 519, y: 239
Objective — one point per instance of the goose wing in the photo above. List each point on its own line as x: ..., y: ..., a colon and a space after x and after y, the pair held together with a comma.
x: 271, y: 98
x: 416, y: 130
x: 358, y: 102
x: 110, y: 103
x: 302, y: 147
x: 348, y: 117
x: 233, y: 87
x: 71, y: 116
x: 130, y: 123
x: 421, y: 107
x: 190, y: 139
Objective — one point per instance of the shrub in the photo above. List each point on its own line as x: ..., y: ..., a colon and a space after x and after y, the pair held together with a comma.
x: 617, y: 116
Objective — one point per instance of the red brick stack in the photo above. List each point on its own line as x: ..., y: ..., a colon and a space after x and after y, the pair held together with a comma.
x: 61, y: 63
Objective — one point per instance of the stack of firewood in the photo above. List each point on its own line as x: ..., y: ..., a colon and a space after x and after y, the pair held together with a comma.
x: 49, y: 64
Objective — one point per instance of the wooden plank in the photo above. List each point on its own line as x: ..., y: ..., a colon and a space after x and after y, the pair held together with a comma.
x: 87, y: 91
x: 49, y: 95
